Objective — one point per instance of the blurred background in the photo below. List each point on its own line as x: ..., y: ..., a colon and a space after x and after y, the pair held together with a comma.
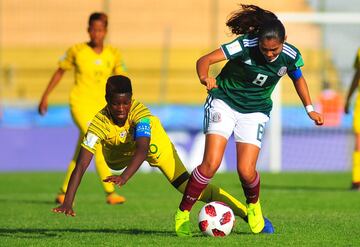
x: 160, y: 41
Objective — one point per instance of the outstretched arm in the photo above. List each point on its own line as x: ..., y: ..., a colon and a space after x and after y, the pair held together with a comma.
x: 43, y: 105
x: 203, y: 65
x: 82, y: 163
x: 352, y: 88
x: 303, y: 92
x: 141, y: 152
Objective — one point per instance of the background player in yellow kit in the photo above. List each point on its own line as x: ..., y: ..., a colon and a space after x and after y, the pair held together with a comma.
x: 129, y: 135
x: 356, y: 123
x: 93, y: 62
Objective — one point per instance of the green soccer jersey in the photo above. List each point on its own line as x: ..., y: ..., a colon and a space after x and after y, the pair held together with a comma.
x: 247, y: 79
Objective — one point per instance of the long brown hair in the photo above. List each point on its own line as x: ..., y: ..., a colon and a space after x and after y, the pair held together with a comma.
x: 251, y: 19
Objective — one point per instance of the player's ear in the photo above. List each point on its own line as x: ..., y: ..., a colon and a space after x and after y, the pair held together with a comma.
x: 285, y: 37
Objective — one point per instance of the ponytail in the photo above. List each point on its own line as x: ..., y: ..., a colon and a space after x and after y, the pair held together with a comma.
x: 249, y: 19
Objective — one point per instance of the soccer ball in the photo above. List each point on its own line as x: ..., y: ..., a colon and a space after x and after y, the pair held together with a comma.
x: 216, y: 219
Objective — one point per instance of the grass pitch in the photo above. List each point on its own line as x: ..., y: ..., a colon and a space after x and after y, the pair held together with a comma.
x: 307, y: 209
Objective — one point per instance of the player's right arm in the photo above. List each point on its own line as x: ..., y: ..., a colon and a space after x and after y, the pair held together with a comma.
x: 82, y: 163
x: 43, y: 105
x: 203, y: 65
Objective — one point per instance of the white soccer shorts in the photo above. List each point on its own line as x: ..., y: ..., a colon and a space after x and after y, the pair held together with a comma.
x: 221, y: 119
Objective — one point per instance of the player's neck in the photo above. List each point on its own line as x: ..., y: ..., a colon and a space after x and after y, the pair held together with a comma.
x: 96, y: 48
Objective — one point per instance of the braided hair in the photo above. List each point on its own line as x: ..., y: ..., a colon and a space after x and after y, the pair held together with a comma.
x: 118, y: 84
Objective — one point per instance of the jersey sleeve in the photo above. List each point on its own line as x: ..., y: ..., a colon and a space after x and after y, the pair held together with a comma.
x: 67, y: 61
x: 96, y: 132
x: 233, y: 49
x: 357, y: 60
x: 295, y: 59
x: 119, y: 68
x: 89, y: 142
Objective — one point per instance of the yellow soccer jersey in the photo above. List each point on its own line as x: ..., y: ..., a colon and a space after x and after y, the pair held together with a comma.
x: 119, y: 142
x: 91, y: 71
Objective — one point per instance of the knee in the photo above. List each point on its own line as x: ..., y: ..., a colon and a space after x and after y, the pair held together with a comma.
x: 247, y: 175
x: 208, y: 169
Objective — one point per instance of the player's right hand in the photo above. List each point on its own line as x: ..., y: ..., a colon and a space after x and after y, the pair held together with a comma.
x: 209, y: 82
x: 42, y: 108
x: 64, y: 209
x: 347, y: 107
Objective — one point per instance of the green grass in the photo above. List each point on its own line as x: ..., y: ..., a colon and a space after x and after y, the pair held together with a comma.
x: 307, y: 209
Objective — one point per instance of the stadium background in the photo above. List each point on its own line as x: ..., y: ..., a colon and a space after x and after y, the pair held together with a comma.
x: 161, y: 41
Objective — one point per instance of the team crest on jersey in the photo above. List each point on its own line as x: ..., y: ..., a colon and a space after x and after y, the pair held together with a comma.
x: 282, y: 71
x: 215, y: 117
x: 98, y: 61
x: 123, y: 134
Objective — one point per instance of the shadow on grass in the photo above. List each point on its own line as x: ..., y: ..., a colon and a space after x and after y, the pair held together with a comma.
x: 30, y: 201
x: 306, y: 188
x: 45, y: 233
x: 28, y: 233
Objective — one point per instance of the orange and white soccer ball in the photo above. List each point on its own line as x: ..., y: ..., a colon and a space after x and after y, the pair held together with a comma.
x: 216, y: 219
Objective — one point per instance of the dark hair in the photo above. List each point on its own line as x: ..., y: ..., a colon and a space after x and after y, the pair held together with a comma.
x: 118, y: 84
x: 98, y: 16
x: 251, y: 19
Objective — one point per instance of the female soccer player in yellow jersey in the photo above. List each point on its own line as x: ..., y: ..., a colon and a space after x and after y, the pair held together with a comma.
x: 356, y: 123
x: 93, y: 62
x: 129, y: 135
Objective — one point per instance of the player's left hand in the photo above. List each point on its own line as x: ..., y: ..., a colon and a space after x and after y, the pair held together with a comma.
x: 317, y: 117
x: 116, y: 179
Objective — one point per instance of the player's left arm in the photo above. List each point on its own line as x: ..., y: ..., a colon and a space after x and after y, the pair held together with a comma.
x: 142, y: 144
x: 141, y: 151
x: 303, y: 92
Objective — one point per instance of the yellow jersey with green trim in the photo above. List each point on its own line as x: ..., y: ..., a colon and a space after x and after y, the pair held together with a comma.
x: 118, y: 143
x: 91, y: 71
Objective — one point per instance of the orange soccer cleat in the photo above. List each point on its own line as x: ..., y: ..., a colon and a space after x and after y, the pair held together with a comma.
x: 114, y: 198
x: 60, y: 198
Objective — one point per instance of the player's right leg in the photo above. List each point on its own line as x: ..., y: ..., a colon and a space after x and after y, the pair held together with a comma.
x: 182, y: 223
x: 103, y: 171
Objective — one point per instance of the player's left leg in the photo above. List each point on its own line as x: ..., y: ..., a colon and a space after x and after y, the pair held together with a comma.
x: 247, y: 155
x: 248, y: 133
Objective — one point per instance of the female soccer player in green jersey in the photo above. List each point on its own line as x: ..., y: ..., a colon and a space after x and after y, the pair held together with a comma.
x: 93, y: 62
x: 239, y: 103
x: 129, y: 134
x: 356, y: 123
